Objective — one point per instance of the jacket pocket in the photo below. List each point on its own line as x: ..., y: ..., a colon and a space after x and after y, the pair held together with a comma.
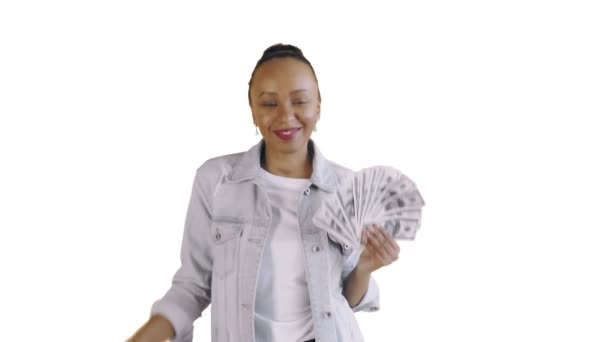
x: 343, y: 248
x: 337, y: 255
x: 226, y: 243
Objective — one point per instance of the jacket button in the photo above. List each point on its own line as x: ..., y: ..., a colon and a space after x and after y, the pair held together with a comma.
x: 316, y: 248
x: 218, y: 236
x: 327, y: 314
x: 346, y: 246
x: 307, y: 191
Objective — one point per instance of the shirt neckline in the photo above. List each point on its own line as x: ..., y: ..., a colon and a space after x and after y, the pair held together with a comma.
x: 286, y: 182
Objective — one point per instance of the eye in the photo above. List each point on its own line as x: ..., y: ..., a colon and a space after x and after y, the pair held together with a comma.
x: 269, y: 104
x: 300, y: 102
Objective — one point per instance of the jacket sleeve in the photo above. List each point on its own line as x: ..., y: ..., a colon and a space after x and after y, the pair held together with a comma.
x: 371, y: 300
x: 190, y: 292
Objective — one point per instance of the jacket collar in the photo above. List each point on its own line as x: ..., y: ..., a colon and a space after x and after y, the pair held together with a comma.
x: 248, y: 167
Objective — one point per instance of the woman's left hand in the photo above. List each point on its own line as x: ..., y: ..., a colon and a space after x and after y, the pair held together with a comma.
x: 379, y: 249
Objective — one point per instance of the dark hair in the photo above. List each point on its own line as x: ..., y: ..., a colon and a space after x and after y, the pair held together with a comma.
x: 282, y: 51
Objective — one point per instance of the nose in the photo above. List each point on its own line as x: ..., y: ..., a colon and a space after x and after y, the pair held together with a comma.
x: 285, y: 109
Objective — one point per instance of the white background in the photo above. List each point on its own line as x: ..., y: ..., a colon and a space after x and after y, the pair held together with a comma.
x: 496, y: 109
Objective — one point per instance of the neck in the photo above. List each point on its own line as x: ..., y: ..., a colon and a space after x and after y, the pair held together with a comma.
x: 296, y: 164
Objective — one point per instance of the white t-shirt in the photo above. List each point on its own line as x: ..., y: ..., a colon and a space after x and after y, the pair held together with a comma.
x: 282, y: 307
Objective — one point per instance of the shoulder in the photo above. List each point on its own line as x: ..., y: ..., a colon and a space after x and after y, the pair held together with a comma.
x: 340, y: 171
x: 220, y: 164
x: 213, y: 170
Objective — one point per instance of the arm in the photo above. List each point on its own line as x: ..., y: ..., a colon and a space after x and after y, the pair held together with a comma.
x: 157, y: 329
x: 173, y: 315
x: 356, y: 285
x: 360, y: 288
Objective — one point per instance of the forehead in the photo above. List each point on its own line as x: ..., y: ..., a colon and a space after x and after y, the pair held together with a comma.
x: 283, y: 74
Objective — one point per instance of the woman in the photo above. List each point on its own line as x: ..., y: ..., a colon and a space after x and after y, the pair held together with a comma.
x: 249, y: 246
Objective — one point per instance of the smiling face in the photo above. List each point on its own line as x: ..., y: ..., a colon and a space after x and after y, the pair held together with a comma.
x: 285, y: 104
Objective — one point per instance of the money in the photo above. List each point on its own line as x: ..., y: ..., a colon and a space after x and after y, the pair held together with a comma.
x: 379, y: 195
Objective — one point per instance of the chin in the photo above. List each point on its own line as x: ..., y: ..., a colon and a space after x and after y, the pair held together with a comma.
x: 290, y: 146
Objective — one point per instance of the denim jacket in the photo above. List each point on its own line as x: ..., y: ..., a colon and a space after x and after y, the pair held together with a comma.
x: 227, y: 223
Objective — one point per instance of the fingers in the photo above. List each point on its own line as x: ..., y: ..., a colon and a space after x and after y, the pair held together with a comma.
x: 386, y: 248
x: 393, y: 243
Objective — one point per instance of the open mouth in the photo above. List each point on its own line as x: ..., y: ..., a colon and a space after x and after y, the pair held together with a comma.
x: 288, y: 133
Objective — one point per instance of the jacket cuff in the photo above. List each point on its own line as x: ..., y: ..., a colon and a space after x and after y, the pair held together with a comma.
x: 174, y: 314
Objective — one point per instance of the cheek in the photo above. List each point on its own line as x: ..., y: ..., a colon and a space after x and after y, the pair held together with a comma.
x: 262, y: 117
x: 309, y: 116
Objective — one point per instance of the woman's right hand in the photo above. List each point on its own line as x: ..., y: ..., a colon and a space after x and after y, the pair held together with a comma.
x: 157, y: 329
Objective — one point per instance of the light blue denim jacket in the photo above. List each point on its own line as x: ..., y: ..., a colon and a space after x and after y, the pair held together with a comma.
x: 227, y: 222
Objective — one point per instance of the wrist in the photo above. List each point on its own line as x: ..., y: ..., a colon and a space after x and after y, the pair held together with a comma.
x: 362, y: 271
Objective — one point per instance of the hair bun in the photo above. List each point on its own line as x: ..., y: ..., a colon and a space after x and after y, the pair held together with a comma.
x: 282, y: 49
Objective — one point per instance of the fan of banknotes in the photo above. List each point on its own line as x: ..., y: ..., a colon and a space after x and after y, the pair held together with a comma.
x: 379, y: 195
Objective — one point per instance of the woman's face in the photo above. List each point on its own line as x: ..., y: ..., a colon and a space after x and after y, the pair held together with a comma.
x: 285, y: 103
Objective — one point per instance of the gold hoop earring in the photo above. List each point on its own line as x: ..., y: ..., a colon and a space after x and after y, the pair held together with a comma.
x: 256, y: 130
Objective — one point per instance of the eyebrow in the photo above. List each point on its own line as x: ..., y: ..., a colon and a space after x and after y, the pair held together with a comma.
x: 274, y: 93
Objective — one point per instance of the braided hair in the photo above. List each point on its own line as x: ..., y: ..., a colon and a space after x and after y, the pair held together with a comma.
x: 282, y: 51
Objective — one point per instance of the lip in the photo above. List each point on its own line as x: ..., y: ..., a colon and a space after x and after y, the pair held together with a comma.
x: 281, y: 133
